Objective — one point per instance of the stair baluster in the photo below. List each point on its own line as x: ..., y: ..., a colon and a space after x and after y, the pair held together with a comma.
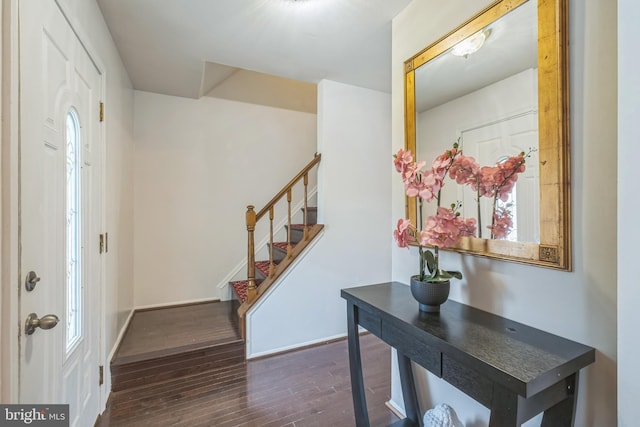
x: 272, y: 266
x: 305, y: 222
x: 289, y: 247
x: 251, y: 255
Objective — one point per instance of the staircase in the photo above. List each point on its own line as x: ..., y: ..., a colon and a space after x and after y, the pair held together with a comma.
x: 280, y: 255
x: 264, y: 273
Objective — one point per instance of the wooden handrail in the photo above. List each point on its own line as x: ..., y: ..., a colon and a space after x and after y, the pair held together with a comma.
x: 252, y: 218
x: 315, y: 161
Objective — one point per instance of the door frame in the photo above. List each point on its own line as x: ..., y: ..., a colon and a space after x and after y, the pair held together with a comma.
x: 9, y: 287
x: 10, y: 284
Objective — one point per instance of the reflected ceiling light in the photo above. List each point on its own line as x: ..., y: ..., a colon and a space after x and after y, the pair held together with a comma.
x: 471, y: 44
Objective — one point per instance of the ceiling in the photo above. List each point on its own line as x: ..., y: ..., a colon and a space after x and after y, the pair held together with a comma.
x: 193, y: 48
x: 511, y: 47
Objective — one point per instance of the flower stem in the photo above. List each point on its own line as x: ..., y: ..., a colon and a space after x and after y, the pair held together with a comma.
x: 420, y: 251
x: 493, y: 214
x: 479, y: 210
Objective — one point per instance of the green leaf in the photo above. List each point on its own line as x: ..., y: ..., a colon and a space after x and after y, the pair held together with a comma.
x: 444, y: 275
x: 455, y: 274
x: 431, y: 261
x: 438, y: 277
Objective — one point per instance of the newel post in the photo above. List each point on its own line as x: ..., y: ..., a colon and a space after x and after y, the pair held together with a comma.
x: 306, y: 207
x: 251, y: 256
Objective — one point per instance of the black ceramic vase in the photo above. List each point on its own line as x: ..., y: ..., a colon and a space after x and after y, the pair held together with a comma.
x: 429, y: 294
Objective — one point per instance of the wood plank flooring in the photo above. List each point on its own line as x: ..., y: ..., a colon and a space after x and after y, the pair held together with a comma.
x: 172, y: 342
x: 309, y: 387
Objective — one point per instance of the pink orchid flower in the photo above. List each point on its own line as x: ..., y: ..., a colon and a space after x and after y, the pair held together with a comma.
x: 445, y: 228
x: 465, y: 170
x: 502, y: 224
x: 402, y: 235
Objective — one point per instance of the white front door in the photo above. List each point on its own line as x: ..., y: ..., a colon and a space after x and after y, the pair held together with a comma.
x: 491, y: 144
x: 60, y: 214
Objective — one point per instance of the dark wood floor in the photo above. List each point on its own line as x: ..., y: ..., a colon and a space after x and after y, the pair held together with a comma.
x: 309, y: 387
x: 172, y: 342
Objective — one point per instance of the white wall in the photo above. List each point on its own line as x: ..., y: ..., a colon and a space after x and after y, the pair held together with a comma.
x: 354, y: 199
x: 198, y: 164
x: 628, y: 207
x: 580, y: 305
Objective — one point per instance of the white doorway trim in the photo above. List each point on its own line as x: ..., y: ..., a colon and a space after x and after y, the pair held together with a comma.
x: 9, y: 284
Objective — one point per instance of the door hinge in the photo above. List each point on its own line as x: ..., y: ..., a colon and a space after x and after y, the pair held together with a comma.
x: 104, y: 243
x: 100, y: 375
x: 102, y: 111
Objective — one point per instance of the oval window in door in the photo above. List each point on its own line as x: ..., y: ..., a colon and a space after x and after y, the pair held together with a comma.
x: 73, y: 231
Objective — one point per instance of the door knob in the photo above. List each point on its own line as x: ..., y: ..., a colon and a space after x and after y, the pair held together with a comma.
x: 31, y: 281
x: 47, y: 322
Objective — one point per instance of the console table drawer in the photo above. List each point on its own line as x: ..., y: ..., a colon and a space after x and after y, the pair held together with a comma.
x: 422, y: 351
x: 469, y: 381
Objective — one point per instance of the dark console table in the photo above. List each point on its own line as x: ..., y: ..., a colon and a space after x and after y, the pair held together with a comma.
x: 514, y: 370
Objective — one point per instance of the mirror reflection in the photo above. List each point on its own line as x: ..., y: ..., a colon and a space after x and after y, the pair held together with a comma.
x: 522, y: 106
x: 485, y: 98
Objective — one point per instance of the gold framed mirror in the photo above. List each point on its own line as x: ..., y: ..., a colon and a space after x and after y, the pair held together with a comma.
x: 529, y: 98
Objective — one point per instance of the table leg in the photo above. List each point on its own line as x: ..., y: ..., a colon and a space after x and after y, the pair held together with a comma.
x: 355, y: 368
x: 409, y: 396
x: 562, y: 414
x: 504, y: 408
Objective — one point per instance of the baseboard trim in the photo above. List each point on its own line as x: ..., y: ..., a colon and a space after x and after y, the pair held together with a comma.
x: 175, y: 304
x: 106, y: 386
x: 116, y: 345
x: 295, y: 347
x: 395, y: 409
x: 303, y: 346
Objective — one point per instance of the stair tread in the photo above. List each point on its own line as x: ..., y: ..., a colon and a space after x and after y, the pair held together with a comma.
x: 282, y: 245
x: 263, y: 266
x: 241, y: 286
